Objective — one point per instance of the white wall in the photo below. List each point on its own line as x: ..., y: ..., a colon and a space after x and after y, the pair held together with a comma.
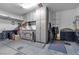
x: 77, y: 11
x: 6, y: 24
x: 64, y: 19
x: 52, y: 19
x: 11, y: 15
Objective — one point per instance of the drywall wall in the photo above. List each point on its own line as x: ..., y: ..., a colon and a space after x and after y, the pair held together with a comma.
x: 52, y: 19
x: 77, y: 11
x: 6, y: 24
x: 4, y: 13
x: 64, y: 19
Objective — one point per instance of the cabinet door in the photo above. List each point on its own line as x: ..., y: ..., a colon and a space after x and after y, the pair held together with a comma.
x: 26, y: 17
x: 38, y: 27
x: 43, y: 25
x: 30, y: 16
x: 33, y: 15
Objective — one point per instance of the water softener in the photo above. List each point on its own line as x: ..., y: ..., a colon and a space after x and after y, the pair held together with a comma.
x: 77, y: 28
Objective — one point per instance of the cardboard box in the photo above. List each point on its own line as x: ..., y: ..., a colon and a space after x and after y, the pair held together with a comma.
x: 58, y: 36
x: 17, y: 37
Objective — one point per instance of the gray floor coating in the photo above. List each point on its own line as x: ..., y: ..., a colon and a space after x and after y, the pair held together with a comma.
x: 24, y: 47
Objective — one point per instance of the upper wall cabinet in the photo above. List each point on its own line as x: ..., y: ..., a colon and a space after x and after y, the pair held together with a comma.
x: 30, y: 16
x: 27, y: 17
x: 34, y: 15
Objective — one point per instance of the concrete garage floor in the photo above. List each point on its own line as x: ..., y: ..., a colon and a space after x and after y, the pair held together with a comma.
x: 24, y: 47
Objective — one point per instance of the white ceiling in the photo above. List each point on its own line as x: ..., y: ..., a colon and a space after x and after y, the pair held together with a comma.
x: 12, y: 8
x: 61, y: 6
x: 16, y: 9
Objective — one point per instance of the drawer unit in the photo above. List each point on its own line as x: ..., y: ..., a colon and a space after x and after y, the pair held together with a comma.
x: 27, y: 34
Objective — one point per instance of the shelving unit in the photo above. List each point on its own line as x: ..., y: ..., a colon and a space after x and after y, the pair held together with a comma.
x: 13, y: 19
x: 7, y: 17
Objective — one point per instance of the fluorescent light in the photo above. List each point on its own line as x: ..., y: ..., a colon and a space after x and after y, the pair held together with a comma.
x: 28, y: 5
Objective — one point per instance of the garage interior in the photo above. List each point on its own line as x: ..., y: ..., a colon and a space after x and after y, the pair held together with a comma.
x: 39, y: 28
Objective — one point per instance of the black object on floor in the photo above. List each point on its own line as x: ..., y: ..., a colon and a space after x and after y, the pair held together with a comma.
x: 18, y: 54
x: 67, y: 34
x: 67, y: 43
x: 19, y: 48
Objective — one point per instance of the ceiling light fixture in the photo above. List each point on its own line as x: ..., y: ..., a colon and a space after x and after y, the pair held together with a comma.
x: 28, y: 5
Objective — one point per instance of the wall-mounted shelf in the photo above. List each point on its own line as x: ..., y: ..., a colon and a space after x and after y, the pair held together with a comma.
x: 10, y: 18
